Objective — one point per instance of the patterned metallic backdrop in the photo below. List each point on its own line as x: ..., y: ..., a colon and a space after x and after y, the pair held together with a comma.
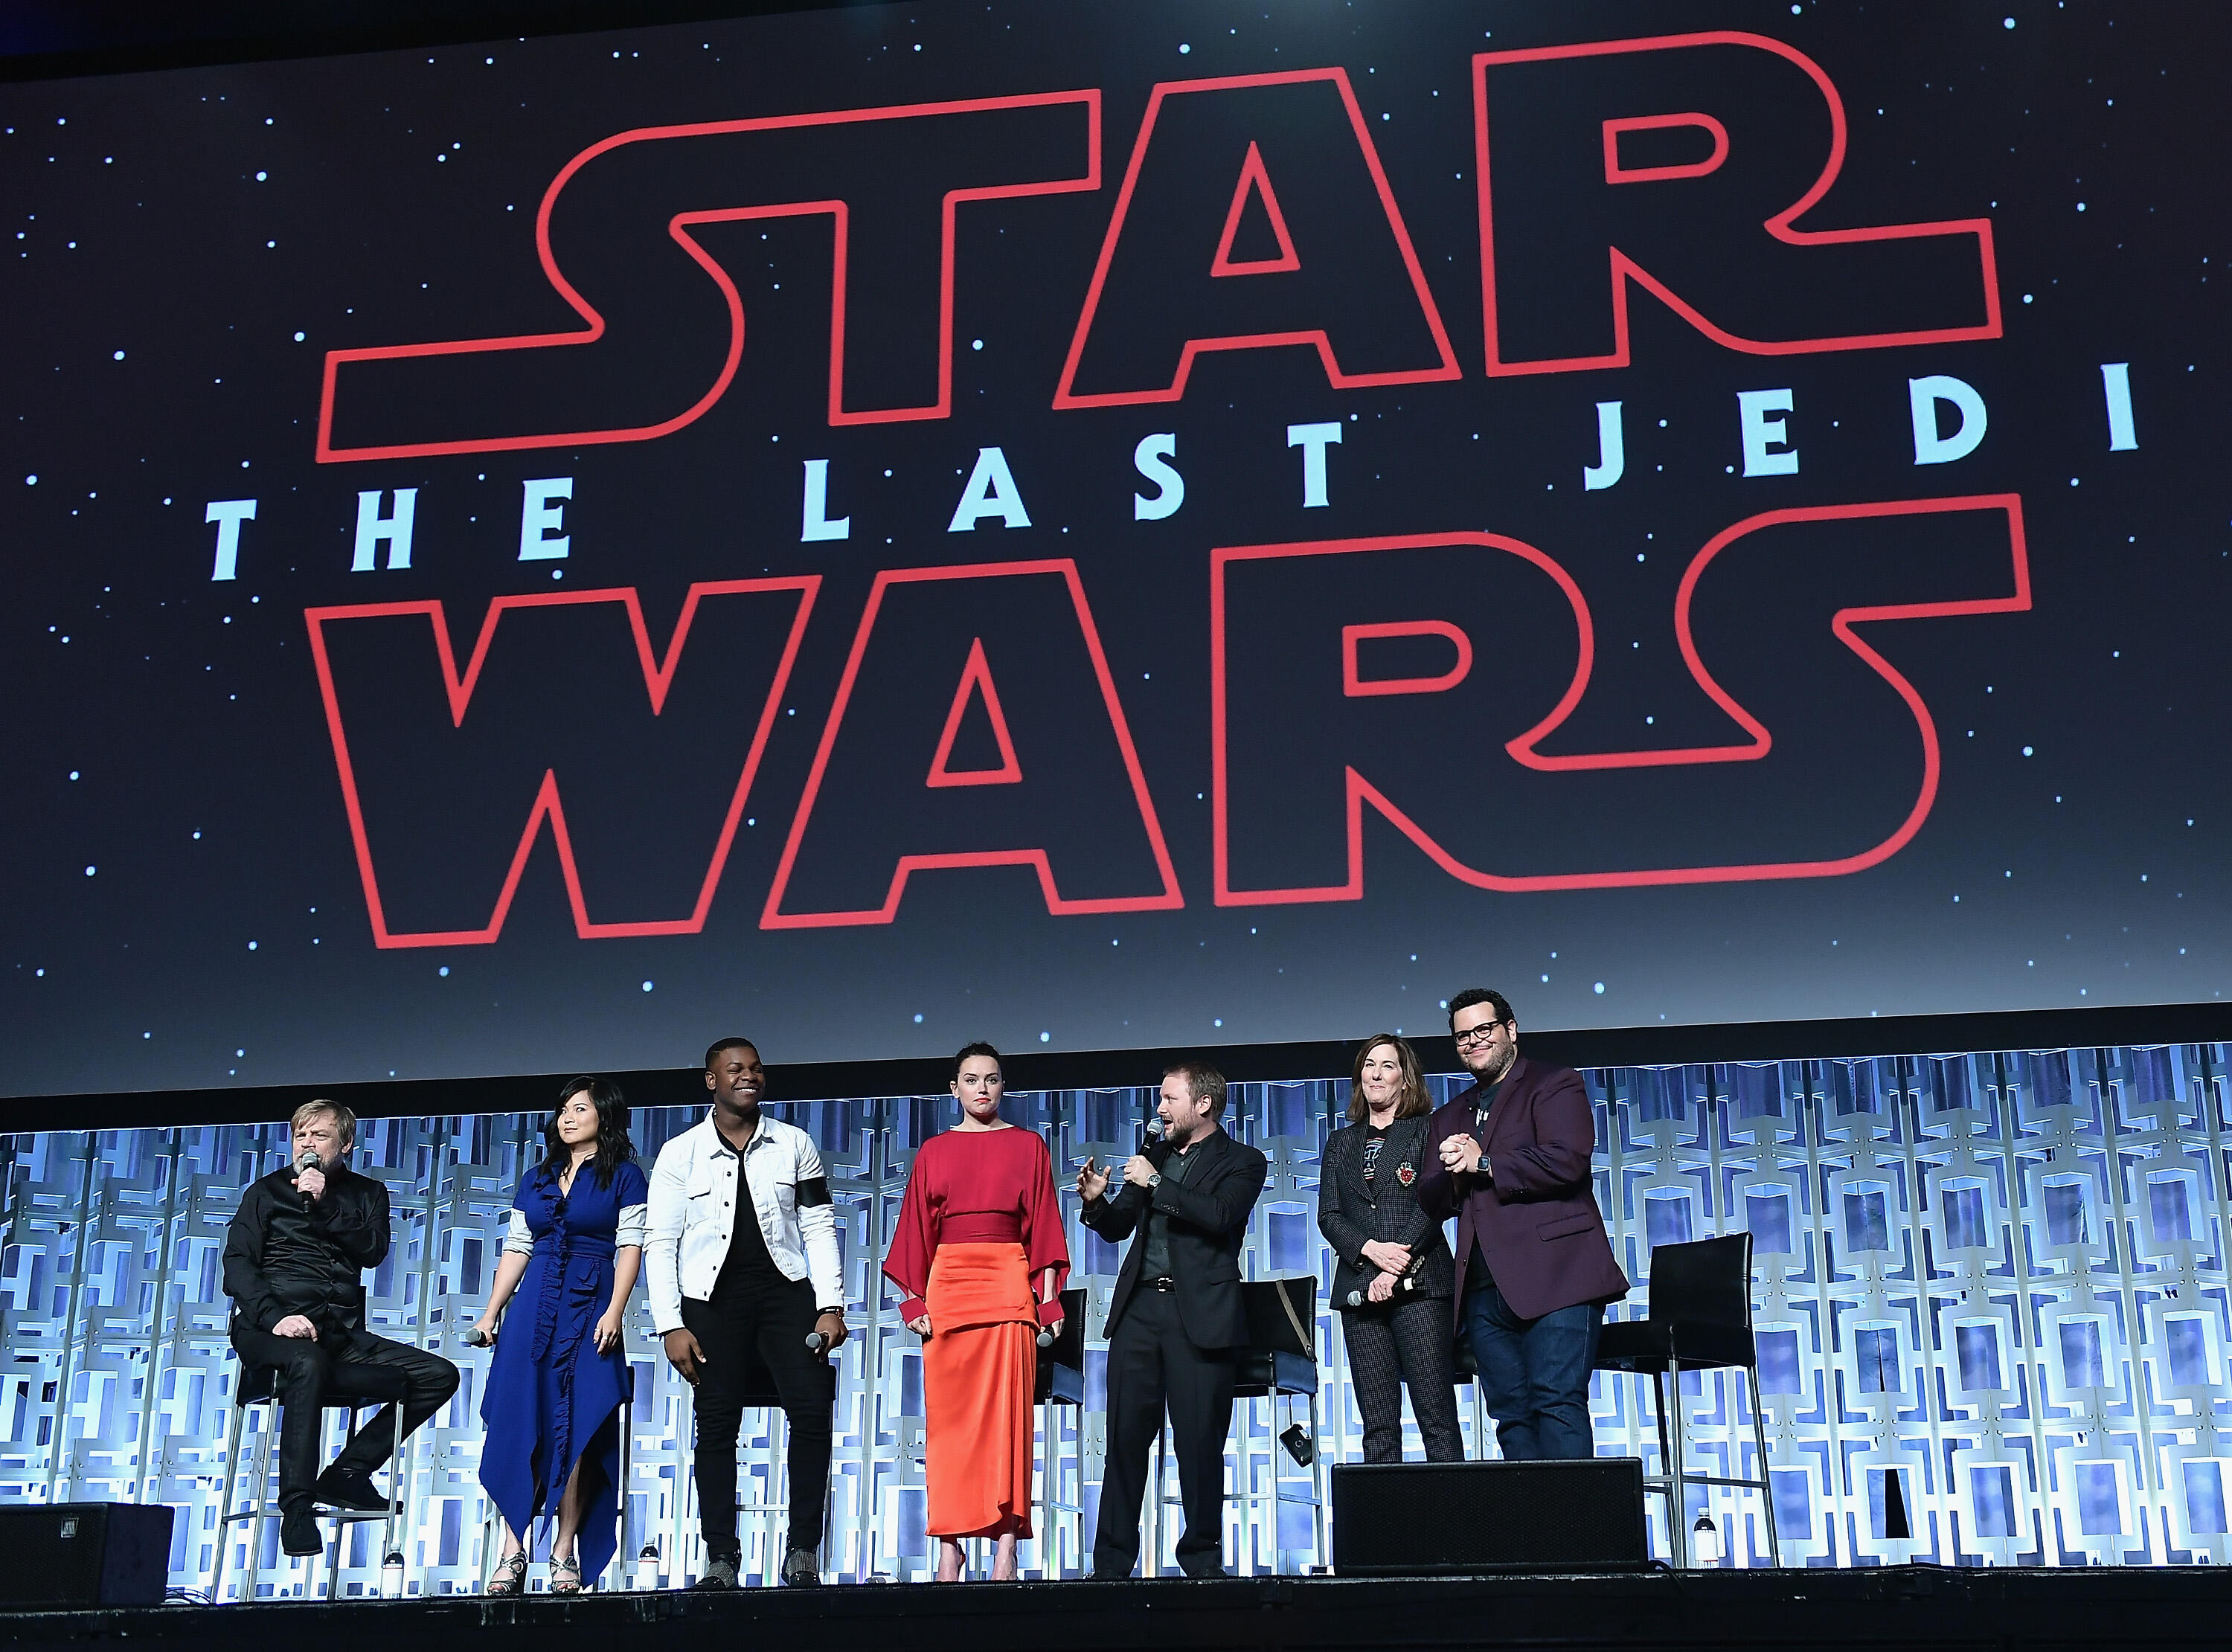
x: 2000, y: 1275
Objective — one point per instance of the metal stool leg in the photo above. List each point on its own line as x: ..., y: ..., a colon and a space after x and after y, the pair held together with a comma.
x: 341, y: 1527
x: 262, y: 1493
x: 1679, y: 1494
x: 621, y: 1555
x: 1250, y: 1496
x: 1151, y: 1565
x: 773, y: 1554
x: 1666, y: 1459
x: 1766, y: 1477
x: 1317, y: 1491
x: 399, y: 1474
x: 685, y: 1494
x: 225, y: 1499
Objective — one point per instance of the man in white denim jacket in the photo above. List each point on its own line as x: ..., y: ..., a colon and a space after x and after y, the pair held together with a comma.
x: 741, y: 1271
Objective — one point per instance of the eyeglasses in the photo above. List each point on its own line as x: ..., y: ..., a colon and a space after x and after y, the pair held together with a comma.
x: 1480, y: 1034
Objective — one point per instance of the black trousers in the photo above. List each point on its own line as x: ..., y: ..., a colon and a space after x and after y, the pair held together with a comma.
x: 306, y: 1381
x: 1153, y: 1366
x: 1399, y: 1342
x: 754, y: 1328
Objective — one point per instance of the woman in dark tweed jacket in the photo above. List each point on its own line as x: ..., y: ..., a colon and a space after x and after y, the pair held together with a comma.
x: 1395, y: 1275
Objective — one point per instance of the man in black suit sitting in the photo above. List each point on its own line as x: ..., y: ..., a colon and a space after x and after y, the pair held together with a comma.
x: 1175, y: 1325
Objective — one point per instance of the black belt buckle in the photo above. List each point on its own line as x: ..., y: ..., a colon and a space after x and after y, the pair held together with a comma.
x: 1165, y: 1284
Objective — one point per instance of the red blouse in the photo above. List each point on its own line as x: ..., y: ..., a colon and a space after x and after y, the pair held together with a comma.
x: 978, y: 1186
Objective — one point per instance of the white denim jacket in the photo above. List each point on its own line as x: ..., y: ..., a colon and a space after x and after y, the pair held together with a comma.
x: 692, y: 1214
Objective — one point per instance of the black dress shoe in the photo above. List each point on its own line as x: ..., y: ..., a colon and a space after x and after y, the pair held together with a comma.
x: 298, y: 1531
x: 801, y: 1568
x: 720, y: 1572
x: 340, y: 1487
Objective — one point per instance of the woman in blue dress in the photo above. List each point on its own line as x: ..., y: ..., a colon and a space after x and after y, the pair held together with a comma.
x: 551, y: 1406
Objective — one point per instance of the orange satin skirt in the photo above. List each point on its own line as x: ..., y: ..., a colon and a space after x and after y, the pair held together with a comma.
x: 979, y: 1371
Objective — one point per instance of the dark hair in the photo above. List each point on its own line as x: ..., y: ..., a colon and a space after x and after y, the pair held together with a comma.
x: 969, y: 1050
x: 1472, y: 996
x: 1204, y: 1083
x: 613, y: 1147
x: 712, y: 1051
x: 1409, y: 1101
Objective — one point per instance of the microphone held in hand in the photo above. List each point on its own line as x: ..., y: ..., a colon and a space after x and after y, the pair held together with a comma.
x: 1407, y: 1281
x: 815, y: 1342
x: 1045, y: 1338
x: 475, y: 1337
x: 307, y: 1159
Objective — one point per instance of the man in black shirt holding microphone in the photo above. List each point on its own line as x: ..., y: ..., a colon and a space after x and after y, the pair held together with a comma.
x: 1176, y: 1323
x: 294, y: 1258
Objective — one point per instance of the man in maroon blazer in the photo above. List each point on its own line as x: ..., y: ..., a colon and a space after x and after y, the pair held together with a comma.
x: 1509, y: 1159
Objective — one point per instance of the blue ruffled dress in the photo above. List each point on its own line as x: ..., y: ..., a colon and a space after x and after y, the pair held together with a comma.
x: 551, y: 1397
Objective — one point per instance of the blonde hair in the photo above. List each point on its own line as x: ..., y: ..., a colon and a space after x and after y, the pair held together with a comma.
x: 344, y: 1120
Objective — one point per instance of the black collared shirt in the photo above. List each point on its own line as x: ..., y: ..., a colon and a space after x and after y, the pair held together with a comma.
x: 1155, y: 1260
x: 286, y: 1254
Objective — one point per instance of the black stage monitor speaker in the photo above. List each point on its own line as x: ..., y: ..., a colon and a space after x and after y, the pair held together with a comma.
x: 1459, y: 1519
x: 84, y: 1554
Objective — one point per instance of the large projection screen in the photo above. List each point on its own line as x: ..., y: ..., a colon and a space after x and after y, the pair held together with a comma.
x: 1108, y: 526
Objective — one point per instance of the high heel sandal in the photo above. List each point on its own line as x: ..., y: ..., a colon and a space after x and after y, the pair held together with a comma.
x: 509, y: 1577
x: 566, y: 1576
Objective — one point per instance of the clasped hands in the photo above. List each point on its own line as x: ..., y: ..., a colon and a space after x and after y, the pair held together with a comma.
x: 1461, y: 1154
x: 1393, y: 1261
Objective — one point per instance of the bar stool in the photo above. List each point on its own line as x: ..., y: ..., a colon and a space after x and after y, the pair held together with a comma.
x: 1698, y: 1317
x: 1061, y: 1381
x: 1280, y: 1364
x: 355, y: 1388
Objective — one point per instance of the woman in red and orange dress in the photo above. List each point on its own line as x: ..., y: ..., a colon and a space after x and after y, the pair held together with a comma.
x: 980, y: 1254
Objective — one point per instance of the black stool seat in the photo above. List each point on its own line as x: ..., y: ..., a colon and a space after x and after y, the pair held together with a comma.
x: 352, y: 1383
x: 1261, y: 1371
x: 1281, y: 1357
x: 1062, y: 1363
x: 1650, y: 1346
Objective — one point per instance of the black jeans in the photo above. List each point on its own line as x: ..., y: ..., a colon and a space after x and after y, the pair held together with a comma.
x: 306, y: 1382
x: 1404, y: 1341
x: 1152, y: 1364
x: 755, y: 1328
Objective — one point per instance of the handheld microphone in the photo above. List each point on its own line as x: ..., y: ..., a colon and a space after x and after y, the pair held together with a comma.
x: 475, y: 1337
x: 307, y: 1159
x: 815, y: 1342
x: 1407, y: 1281
x: 1045, y: 1338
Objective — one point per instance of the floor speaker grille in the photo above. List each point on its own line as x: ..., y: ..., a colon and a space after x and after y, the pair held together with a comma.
x: 1421, y: 1519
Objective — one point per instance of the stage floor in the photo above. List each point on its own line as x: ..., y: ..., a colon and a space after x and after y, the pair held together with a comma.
x: 1916, y: 1609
